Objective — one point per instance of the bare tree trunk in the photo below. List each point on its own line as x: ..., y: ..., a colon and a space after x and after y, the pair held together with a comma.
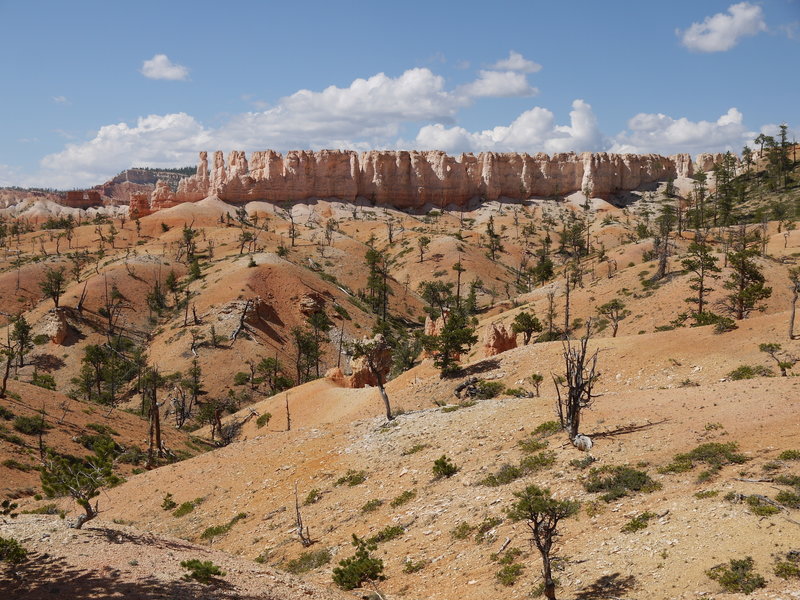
x: 9, y: 360
x: 795, y: 293
x: 384, y: 396
x: 305, y: 538
x: 288, y: 415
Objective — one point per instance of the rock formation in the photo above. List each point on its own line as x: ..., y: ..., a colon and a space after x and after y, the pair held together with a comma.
x: 497, y: 339
x: 413, y: 179
x: 54, y: 325
x: 362, y: 375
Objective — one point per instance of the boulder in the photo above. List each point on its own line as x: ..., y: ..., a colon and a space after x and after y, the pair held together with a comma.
x: 497, y: 339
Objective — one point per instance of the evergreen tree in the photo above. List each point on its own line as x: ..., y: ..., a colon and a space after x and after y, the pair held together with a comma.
x: 746, y: 283
x: 702, y: 264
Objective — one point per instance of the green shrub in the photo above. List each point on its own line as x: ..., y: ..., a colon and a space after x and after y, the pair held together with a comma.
x: 30, y: 425
x: 46, y: 509
x: 187, y: 507
x: 547, y: 428
x: 6, y: 414
x: 263, y: 420
x: 218, y: 530
x: 443, y: 467
x: 386, y: 534
x: 715, y: 454
x: 706, y: 494
x: 530, y: 445
x: 582, y: 463
x: 312, y: 497
x: 750, y: 372
x: 760, y: 508
x: 488, y: 389
x: 410, y: 566
x: 504, y: 475
x: 403, y: 498
x: 102, y: 429
x: 308, y: 561
x: 359, y: 568
x: 792, y: 480
x: 461, y: 531
x: 41, y: 339
x: 737, y: 576
x: 537, y: 462
x: 241, y: 378
x: 168, y: 503
x: 203, y: 571
x: 638, y: 522
x: 12, y: 552
x: 789, y: 455
x: 43, y: 380
x: 518, y: 392
x: 372, y: 505
x: 352, y: 478
x: 509, y: 574
x: 788, y: 499
x: 618, y: 481
x: 484, y: 527
x: 414, y: 449
x: 787, y: 570
x: 15, y: 464
x: 508, y: 558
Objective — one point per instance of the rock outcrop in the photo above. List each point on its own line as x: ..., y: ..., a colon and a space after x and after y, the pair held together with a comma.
x: 54, y: 325
x: 362, y: 375
x: 498, y: 339
x: 413, y: 179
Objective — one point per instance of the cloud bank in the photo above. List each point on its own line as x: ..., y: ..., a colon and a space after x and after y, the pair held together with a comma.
x: 723, y: 31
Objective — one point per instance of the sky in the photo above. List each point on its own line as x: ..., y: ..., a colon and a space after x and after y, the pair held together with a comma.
x: 88, y: 89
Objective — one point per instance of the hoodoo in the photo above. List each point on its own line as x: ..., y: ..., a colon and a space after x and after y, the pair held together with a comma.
x: 412, y: 179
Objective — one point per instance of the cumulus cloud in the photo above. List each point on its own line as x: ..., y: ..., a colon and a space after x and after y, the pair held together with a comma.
x: 155, y: 140
x: 498, y: 84
x: 721, y: 32
x: 516, y: 62
x: 535, y: 130
x: 161, y: 67
x: 667, y: 135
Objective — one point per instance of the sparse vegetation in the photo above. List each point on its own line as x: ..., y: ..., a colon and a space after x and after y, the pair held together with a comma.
x: 204, y: 571
x: 308, y: 561
x: 618, y: 481
x: 737, y: 576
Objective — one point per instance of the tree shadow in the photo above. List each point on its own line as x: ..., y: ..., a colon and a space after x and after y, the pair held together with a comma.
x: 45, y: 577
x: 607, y: 586
x: 47, y: 362
x: 625, y: 429
x: 489, y: 364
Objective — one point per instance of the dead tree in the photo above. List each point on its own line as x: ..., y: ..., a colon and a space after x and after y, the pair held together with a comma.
x: 794, y: 288
x: 302, y: 532
x: 574, y: 389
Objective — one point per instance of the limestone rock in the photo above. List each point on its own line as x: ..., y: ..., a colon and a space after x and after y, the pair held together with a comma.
x: 54, y: 325
x: 498, y: 339
x: 412, y: 179
x: 311, y: 303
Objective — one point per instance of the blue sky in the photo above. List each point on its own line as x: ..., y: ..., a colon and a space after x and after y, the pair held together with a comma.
x: 91, y: 88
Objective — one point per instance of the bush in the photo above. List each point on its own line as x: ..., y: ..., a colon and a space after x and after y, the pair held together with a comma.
x: 241, y: 378
x: 312, y: 497
x: 308, y: 561
x: 352, y: 478
x: 750, y: 372
x: 789, y: 455
x: 411, y: 566
x: 760, y: 508
x: 504, y: 475
x: 547, y: 428
x: 359, y: 568
x: 532, y: 444
x: 12, y: 552
x: 442, y: 467
x: 218, y: 530
x: 263, y: 420
x: 386, y: 534
x: 582, y: 463
x: 414, y: 449
x: 461, y: 531
x: 43, y: 380
x: 485, y: 527
x: 203, y: 571
x: 714, y: 454
x: 6, y: 414
x: 618, y: 481
x: 31, y: 425
x: 537, y: 462
x: 787, y: 570
x: 737, y: 576
x: 788, y: 499
x: 403, y: 498
x: 638, y: 522
x: 488, y: 389
x: 509, y: 574
x: 371, y: 505
x: 187, y: 507
x: 168, y: 503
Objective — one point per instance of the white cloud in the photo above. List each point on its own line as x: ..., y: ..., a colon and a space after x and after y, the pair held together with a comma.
x: 534, y: 130
x: 517, y: 62
x: 161, y: 67
x: 498, y: 84
x: 60, y: 100
x: 155, y: 140
x: 666, y: 135
x: 722, y: 31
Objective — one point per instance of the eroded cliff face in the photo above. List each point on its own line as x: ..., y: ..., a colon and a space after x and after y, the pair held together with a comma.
x: 413, y: 179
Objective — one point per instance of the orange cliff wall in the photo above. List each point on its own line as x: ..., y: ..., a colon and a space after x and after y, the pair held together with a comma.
x: 411, y: 179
